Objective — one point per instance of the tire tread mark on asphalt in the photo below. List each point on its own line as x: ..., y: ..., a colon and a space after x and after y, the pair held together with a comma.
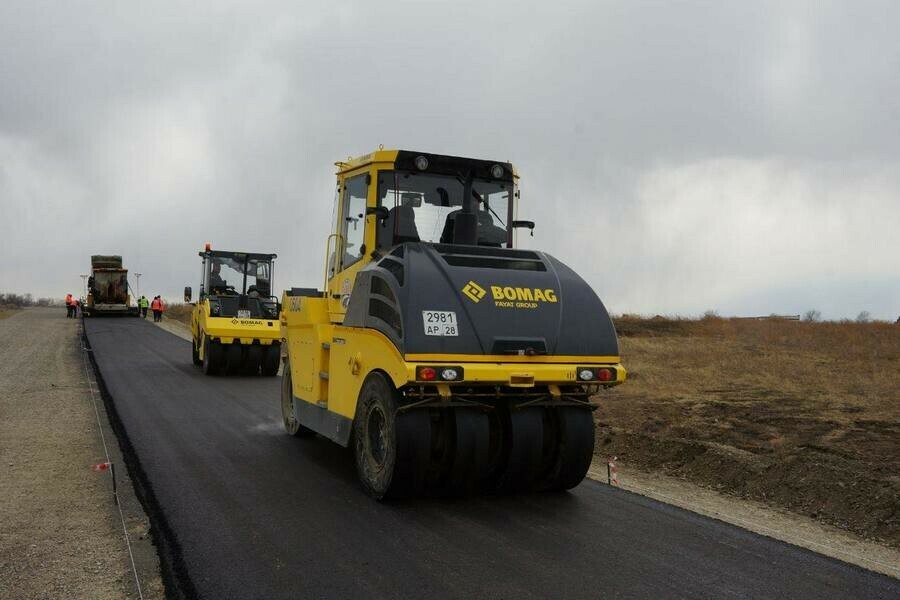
x: 175, y: 576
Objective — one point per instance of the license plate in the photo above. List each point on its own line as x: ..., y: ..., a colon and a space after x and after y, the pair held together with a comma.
x: 440, y: 322
x: 243, y: 314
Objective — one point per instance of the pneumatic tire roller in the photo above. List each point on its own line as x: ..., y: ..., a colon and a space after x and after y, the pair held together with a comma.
x: 234, y: 322
x: 454, y: 363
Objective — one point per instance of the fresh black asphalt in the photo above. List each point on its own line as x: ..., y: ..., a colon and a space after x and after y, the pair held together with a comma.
x: 248, y: 512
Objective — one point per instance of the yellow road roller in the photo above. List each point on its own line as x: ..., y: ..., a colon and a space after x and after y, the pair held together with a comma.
x: 449, y: 360
x: 234, y: 323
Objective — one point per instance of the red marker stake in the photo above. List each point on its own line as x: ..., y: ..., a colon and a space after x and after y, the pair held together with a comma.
x: 108, y: 466
x: 612, y: 471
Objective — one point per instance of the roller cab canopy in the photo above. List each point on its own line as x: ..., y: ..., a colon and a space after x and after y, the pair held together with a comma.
x: 237, y: 274
x: 391, y: 197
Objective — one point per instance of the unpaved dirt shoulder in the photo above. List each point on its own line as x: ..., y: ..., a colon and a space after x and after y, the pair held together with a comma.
x: 775, y: 523
x: 61, y: 532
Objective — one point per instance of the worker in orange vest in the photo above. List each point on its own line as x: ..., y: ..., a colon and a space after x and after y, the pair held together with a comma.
x: 157, y: 307
x: 70, y: 306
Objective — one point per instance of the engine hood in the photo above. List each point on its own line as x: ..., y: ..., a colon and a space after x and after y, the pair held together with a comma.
x: 445, y: 299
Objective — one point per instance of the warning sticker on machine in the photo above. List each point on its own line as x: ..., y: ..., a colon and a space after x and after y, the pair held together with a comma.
x: 440, y: 322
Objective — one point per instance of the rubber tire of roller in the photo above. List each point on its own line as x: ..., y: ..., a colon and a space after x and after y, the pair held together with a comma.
x: 271, y: 357
x: 574, y: 450
x: 195, y: 355
x: 252, y: 360
x: 523, y: 448
x: 471, y: 452
x: 233, y: 356
x: 212, y: 357
x: 405, y: 442
x: 291, y: 425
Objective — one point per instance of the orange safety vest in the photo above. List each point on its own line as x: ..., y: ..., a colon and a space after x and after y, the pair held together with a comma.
x: 69, y: 299
x: 157, y: 304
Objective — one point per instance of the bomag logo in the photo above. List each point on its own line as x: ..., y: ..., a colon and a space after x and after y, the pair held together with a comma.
x: 474, y: 292
x: 519, y: 297
x: 510, y: 296
x: 237, y: 321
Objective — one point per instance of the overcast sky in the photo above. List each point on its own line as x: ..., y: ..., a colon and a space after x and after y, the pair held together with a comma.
x: 681, y: 156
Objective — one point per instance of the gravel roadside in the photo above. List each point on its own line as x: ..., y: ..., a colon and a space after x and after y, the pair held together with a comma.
x: 61, y: 532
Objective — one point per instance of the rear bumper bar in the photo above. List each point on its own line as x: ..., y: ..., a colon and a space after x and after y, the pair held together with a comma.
x: 518, y: 375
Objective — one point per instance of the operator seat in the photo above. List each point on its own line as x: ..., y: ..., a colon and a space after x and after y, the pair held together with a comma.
x: 489, y: 234
x: 398, y: 227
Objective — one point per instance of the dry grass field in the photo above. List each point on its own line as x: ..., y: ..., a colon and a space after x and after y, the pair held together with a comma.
x: 804, y: 416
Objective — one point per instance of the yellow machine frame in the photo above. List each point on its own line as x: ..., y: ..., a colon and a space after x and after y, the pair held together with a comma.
x: 227, y: 329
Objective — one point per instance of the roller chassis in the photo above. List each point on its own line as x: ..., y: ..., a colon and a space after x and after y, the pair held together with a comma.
x: 422, y: 397
x: 453, y: 444
x: 521, y: 440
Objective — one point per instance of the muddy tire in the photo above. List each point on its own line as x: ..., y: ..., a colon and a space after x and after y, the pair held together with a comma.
x: 291, y: 425
x: 391, y: 449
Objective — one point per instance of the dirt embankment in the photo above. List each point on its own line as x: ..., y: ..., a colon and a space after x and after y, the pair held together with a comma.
x: 180, y: 313
x: 804, y: 416
x: 61, y: 534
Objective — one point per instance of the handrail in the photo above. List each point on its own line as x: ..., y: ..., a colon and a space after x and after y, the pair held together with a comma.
x: 336, y: 236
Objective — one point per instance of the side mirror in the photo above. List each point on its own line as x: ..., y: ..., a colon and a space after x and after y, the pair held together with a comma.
x: 187, y: 294
x: 380, y: 212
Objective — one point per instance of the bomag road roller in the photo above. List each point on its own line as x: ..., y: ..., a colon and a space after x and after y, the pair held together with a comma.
x: 234, y: 323
x: 448, y: 359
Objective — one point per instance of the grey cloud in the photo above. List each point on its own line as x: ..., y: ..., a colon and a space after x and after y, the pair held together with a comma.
x: 148, y: 130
